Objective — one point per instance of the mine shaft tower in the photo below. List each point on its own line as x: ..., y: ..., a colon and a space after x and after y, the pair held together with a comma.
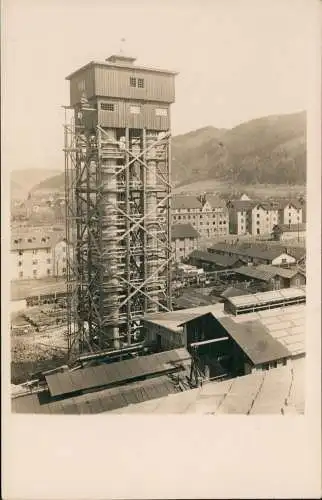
x: 118, y: 189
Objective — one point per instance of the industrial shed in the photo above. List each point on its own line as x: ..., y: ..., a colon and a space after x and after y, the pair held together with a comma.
x: 223, y: 348
x: 273, y: 277
x: 213, y: 262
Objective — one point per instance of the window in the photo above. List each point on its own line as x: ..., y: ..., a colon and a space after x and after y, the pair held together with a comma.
x: 258, y: 231
x: 64, y: 249
x: 274, y: 364
x: 141, y: 83
x: 34, y: 252
x: 64, y: 270
x: 20, y: 252
x: 48, y: 272
x: 19, y: 263
x: 34, y: 272
x: 135, y: 110
x: 283, y: 261
x: 132, y: 81
x: 257, y: 215
x: 21, y: 274
x: 297, y: 281
x: 161, y: 112
x: 48, y: 261
x: 35, y: 262
x: 107, y: 106
x: 258, y: 222
x: 47, y: 250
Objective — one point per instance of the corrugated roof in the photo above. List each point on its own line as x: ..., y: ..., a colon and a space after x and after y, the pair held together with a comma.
x: 219, y: 260
x: 183, y: 231
x: 179, y: 202
x: 98, y: 401
x: 21, y: 289
x: 255, y: 341
x: 108, y: 374
x: 267, y: 392
x: 267, y: 297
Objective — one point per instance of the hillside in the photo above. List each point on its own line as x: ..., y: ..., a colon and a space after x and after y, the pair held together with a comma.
x: 24, y: 180
x: 270, y: 150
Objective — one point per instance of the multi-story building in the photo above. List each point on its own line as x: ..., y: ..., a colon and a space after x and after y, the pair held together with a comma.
x: 37, y: 255
x: 184, y: 240
x: 290, y: 212
x: 260, y: 217
x: 207, y: 214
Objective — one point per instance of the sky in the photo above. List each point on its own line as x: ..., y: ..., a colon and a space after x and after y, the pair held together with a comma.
x: 237, y: 60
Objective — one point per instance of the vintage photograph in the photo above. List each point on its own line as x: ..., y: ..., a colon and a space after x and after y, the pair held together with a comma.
x: 158, y: 208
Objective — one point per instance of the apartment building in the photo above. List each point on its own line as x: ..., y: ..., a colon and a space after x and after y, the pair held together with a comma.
x: 184, y: 240
x: 290, y: 212
x: 207, y: 214
x: 260, y: 217
x: 37, y: 255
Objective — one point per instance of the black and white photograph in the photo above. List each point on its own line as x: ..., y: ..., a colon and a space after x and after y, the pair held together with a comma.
x: 158, y: 220
x: 158, y: 193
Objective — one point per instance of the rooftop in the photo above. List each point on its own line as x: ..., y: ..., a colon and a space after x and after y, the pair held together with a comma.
x: 179, y: 202
x: 33, y: 240
x: 215, y: 201
x: 183, y: 231
x: 292, y: 228
x: 255, y: 340
x: 115, y: 62
x: 114, y: 373
x: 252, y: 250
x: 277, y: 391
x: 219, y: 260
x: 22, y: 289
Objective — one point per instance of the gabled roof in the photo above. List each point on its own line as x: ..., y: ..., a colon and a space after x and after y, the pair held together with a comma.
x: 219, y: 260
x: 183, y: 231
x: 215, y: 201
x: 179, y: 201
x: 282, y: 204
x: 281, y: 271
x: 256, y: 273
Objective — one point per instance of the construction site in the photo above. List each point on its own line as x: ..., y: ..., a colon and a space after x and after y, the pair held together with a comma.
x: 116, y: 334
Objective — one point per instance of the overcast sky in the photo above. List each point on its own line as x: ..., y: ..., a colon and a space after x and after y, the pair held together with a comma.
x: 237, y: 59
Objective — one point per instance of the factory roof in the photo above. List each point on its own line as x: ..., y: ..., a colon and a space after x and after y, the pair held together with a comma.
x: 277, y: 391
x: 219, y: 260
x: 181, y: 201
x: 98, y: 401
x: 285, y: 324
x: 255, y: 341
x: 240, y: 205
x: 174, y: 319
x: 183, y: 231
x: 114, y: 373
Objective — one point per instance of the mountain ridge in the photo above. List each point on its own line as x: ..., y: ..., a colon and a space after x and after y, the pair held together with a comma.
x: 266, y: 150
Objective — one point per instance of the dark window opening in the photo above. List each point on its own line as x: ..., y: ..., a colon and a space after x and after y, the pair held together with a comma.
x: 132, y: 81
x: 141, y: 83
x: 107, y: 106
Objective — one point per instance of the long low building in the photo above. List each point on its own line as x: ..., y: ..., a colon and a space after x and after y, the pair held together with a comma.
x: 214, y: 262
x: 275, y: 277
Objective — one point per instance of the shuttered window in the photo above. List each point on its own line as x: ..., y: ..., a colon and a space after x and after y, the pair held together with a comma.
x: 132, y: 81
x: 141, y: 83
